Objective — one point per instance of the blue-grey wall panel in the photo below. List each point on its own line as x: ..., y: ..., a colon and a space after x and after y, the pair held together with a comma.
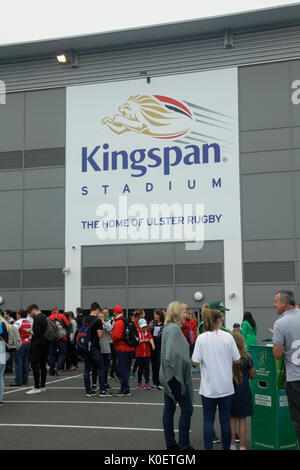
x: 12, y: 299
x: 11, y: 180
x: 105, y: 297
x: 262, y: 162
x: 150, y: 254
x: 212, y: 252
x: 267, y: 206
x: 45, y: 118
x: 44, y: 222
x: 266, y: 250
x: 150, y: 297
x: 97, y: 256
x: 12, y: 123
x: 264, y: 140
x: 185, y: 294
x: 45, y: 298
x: 11, y: 206
x: 10, y: 260
x: 264, y: 96
x: 43, y: 259
x: 44, y: 178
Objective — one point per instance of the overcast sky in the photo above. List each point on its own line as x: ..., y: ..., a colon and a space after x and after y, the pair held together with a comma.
x: 29, y: 20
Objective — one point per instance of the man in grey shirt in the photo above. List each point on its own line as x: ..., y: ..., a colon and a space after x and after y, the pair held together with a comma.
x: 286, y: 344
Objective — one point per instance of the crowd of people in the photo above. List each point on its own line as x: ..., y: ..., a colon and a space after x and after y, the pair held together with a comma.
x: 172, y: 343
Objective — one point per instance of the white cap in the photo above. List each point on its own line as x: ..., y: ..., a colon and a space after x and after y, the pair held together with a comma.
x: 142, y: 323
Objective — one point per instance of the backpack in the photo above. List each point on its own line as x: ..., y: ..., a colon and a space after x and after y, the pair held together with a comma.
x: 14, y: 339
x: 131, y: 336
x: 83, y: 338
x: 52, y: 332
x: 61, y: 329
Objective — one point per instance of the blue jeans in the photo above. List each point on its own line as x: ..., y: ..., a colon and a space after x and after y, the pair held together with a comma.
x: 94, y: 359
x: 186, y: 408
x: 61, y: 348
x: 209, y: 413
x: 124, y: 360
x: 2, y: 369
x: 21, y: 358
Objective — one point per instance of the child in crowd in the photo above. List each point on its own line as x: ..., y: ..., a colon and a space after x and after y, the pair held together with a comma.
x: 143, y: 353
x: 242, y: 405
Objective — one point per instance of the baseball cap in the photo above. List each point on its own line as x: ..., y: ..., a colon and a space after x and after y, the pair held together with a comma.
x: 218, y: 305
x: 142, y: 323
x: 118, y: 309
x: 236, y: 325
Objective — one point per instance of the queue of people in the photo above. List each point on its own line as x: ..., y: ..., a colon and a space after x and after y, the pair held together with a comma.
x: 174, y: 345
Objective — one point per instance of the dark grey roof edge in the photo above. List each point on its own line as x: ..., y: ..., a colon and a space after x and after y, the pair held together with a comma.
x: 280, y: 16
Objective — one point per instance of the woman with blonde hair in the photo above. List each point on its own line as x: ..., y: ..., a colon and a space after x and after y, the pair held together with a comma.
x: 176, y: 379
x: 4, y: 354
x: 241, y: 406
x: 216, y: 351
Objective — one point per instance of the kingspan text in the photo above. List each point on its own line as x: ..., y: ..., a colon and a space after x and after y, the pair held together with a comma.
x: 101, y: 158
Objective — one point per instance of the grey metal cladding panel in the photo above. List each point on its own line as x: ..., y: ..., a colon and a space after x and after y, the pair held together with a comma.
x: 262, y: 296
x: 164, y: 59
x: 264, y: 96
x: 11, y: 160
x: 45, y: 118
x: 44, y: 218
x: 296, y: 159
x: 106, y: 297
x: 44, y: 157
x: 297, y: 202
x: 295, y: 75
x: 262, y: 140
x: 10, y: 260
x: 296, y: 137
x: 108, y: 276
x: 11, y: 205
x: 45, y: 298
x: 10, y: 279
x: 264, y: 250
x: 199, y: 273
x: 267, y: 206
x: 37, y: 278
x: 12, y: 123
x: 43, y: 259
x: 97, y: 256
x: 150, y: 297
x: 11, y: 180
x: 280, y: 271
x: 150, y: 254
x: 45, y: 178
x: 297, y: 249
x: 12, y: 299
x: 262, y: 162
x: 212, y: 252
x: 185, y: 294
x: 150, y: 275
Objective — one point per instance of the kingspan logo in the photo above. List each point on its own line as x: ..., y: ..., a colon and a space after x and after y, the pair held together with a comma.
x: 154, y: 116
x: 157, y: 117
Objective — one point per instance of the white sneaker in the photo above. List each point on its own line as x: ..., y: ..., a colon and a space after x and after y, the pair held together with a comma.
x: 33, y: 390
x: 43, y: 389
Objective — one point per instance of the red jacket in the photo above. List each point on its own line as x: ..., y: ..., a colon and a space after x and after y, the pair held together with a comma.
x: 63, y: 320
x: 143, y: 349
x: 117, y: 335
x: 185, y: 330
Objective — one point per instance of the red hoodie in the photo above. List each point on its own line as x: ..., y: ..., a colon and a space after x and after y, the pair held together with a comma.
x: 117, y: 335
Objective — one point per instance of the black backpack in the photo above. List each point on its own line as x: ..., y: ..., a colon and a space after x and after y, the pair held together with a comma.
x: 131, y: 336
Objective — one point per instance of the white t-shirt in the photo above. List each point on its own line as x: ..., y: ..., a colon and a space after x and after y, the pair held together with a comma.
x: 216, y: 350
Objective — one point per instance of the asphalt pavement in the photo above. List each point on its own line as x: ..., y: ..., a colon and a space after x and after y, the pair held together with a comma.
x: 63, y: 418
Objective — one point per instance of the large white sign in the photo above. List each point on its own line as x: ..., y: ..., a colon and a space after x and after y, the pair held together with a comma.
x: 153, y: 161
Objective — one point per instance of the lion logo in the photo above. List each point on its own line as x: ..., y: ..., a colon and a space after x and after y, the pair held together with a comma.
x: 154, y: 116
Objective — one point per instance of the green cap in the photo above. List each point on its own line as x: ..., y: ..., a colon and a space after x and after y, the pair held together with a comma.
x: 218, y: 305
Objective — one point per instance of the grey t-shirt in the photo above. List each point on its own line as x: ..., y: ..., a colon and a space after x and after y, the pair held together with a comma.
x: 287, y: 332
